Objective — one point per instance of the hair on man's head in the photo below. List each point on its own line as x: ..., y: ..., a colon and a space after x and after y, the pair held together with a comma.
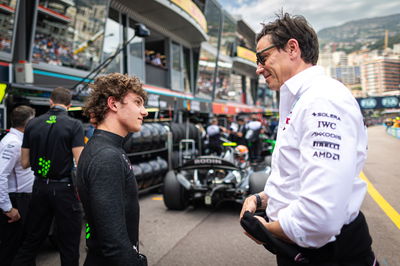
x: 111, y: 85
x: 61, y: 96
x: 21, y: 115
x: 287, y: 27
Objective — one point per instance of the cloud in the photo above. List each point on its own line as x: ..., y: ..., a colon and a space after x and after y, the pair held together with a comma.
x: 321, y: 14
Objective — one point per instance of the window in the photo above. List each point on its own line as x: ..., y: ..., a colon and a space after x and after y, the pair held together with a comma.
x: 223, y: 84
x: 205, y: 78
x: 157, y: 63
x: 69, y: 33
x: 113, y: 41
x: 176, y: 74
x: 7, y: 15
x: 249, y: 94
x: 213, y: 17
x: 187, y: 79
x: 228, y: 36
x: 136, y: 55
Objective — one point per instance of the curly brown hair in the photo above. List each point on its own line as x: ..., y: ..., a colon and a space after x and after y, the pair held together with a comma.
x: 114, y: 84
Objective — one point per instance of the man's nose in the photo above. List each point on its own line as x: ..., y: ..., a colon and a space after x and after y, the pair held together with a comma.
x: 260, y: 69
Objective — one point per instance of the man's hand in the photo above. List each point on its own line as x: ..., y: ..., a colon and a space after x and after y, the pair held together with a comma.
x: 13, y: 214
x: 250, y: 204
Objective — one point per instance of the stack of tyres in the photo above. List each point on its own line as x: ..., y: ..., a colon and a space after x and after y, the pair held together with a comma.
x: 146, y: 137
x: 136, y: 142
x: 155, y: 137
x: 147, y: 173
x: 155, y: 172
x: 162, y: 132
x: 163, y: 165
x: 137, y: 171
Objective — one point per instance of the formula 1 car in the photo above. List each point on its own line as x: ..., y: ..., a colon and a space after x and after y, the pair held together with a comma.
x: 213, y: 179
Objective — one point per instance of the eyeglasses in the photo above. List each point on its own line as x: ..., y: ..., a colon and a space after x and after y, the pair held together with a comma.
x: 261, y: 59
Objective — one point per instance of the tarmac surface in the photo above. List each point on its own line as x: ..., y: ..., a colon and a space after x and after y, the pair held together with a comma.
x: 206, y: 236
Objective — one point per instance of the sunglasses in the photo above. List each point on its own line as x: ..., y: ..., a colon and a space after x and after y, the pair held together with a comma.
x: 260, y: 58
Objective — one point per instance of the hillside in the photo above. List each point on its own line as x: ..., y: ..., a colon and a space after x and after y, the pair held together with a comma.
x: 369, y: 32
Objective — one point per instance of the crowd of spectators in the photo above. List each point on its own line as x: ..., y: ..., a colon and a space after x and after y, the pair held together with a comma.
x: 58, y: 52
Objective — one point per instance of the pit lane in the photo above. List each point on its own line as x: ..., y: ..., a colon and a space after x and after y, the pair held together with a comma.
x: 204, y: 236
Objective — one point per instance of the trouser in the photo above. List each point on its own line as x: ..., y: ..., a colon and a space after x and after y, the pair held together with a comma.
x: 255, y: 150
x: 11, y: 234
x: 352, y: 247
x: 93, y: 259
x: 52, y: 200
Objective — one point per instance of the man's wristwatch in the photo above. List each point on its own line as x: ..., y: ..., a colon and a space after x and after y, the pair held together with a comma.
x: 258, y: 198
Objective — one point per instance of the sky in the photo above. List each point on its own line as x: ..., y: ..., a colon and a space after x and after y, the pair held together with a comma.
x: 319, y: 13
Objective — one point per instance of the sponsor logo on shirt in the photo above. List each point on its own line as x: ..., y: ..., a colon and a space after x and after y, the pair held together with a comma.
x: 127, y: 161
x: 326, y: 144
x: 327, y: 155
x: 326, y: 134
x: 326, y: 115
x: 326, y: 124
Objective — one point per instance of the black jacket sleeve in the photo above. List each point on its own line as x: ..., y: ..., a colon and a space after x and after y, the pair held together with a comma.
x: 106, y: 187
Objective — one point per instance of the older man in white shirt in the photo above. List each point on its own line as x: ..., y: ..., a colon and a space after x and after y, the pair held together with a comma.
x: 15, y: 185
x: 313, y: 195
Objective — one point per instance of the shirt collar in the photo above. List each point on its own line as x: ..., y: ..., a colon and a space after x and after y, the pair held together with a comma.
x: 115, y: 139
x: 294, y: 84
x: 16, y: 132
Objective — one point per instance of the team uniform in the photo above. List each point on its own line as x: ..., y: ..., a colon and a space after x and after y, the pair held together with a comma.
x: 314, y: 189
x: 15, y: 192
x: 50, y: 138
x: 214, y: 141
x: 109, y: 194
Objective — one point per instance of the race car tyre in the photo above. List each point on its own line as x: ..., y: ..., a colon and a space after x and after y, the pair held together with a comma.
x: 257, y: 182
x: 175, y: 195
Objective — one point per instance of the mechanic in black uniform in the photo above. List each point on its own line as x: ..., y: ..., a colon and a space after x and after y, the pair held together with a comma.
x: 105, y: 180
x: 51, y: 142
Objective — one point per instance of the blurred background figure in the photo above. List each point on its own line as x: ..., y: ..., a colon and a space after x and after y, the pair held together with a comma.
x: 15, y: 185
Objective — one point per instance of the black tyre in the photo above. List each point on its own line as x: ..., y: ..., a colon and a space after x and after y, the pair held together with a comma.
x: 257, y: 182
x: 175, y: 195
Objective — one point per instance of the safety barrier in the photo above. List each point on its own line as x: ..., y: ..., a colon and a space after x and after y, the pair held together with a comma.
x: 393, y: 131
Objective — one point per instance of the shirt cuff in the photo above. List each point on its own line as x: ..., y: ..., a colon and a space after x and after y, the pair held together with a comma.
x: 290, y: 228
x: 6, y: 206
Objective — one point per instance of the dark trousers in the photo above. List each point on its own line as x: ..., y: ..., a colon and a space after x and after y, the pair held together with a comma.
x: 255, y: 150
x: 93, y: 259
x: 368, y: 260
x: 58, y: 201
x: 11, y: 234
x: 351, y: 248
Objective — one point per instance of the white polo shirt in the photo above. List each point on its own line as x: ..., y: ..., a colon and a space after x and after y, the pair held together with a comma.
x: 13, y: 178
x: 314, y: 188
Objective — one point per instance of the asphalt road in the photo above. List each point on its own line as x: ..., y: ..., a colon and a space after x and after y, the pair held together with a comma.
x: 205, y: 236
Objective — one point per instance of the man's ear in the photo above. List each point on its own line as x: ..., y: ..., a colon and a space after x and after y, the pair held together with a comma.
x: 51, y: 102
x: 112, y: 103
x: 293, y: 48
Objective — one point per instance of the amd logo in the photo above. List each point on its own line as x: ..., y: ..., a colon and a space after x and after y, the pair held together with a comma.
x: 326, y: 154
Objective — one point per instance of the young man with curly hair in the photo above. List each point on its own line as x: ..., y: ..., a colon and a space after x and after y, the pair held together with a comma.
x: 106, y: 184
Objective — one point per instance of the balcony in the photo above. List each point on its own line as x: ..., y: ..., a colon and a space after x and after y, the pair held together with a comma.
x: 182, y: 17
